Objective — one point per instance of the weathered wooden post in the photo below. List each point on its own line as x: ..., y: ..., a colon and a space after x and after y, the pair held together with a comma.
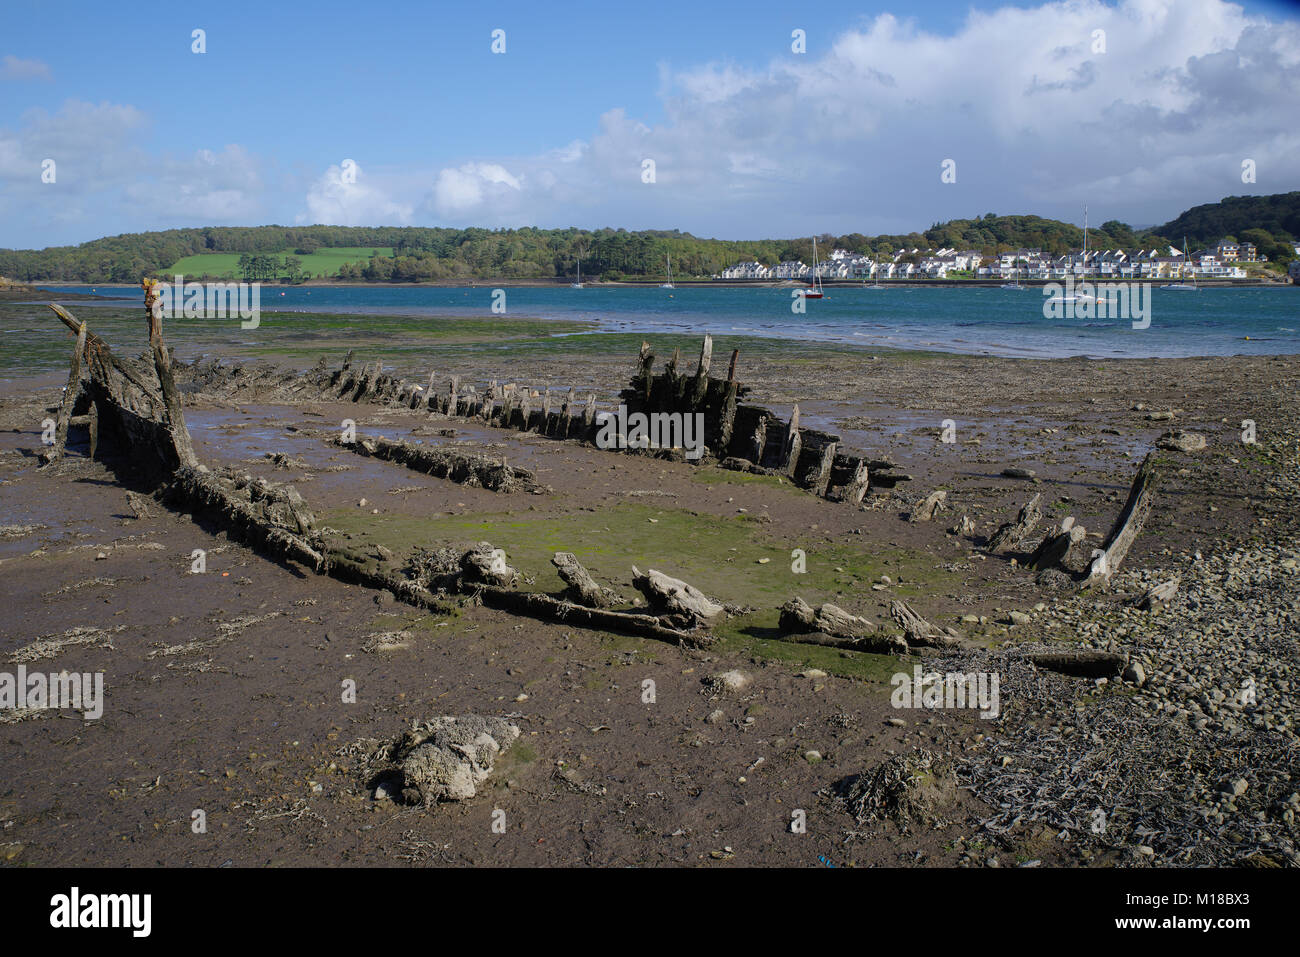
x: 163, y: 366
x: 55, y: 452
x: 793, y: 444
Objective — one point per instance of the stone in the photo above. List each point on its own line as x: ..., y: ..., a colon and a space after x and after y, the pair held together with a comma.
x: 1176, y: 440
x: 1135, y: 673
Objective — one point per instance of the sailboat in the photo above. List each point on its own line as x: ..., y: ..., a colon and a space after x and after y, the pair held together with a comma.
x: 814, y: 290
x: 1079, y: 296
x: 1014, y: 283
x: 669, y: 283
x: 578, y: 283
x: 1183, y: 286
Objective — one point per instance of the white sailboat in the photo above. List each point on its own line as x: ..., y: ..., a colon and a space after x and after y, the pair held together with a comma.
x: 669, y: 283
x: 1183, y: 286
x: 1079, y: 296
x: 578, y: 283
x: 814, y: 290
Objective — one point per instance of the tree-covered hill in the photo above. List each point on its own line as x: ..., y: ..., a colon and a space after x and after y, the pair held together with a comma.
x: 413, y: 254
x: 1272, y: 223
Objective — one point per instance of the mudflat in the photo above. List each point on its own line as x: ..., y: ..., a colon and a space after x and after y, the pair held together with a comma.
x: 226, y: 689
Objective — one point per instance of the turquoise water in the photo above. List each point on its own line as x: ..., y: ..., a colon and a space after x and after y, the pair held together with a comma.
x: 991, y: 321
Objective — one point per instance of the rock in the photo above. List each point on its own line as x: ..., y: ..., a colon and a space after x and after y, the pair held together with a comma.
x: 715, y: 716
x: 1160, y: 594
x: 447, y: 758
x: 729, y: 681
x: 1135, y: 674
x: 444, y: 759
x: 1019, y: 618
x: 1236, y: 788
x: 812, y: 757
x: 1015, y: 472
x: 1176, y: 440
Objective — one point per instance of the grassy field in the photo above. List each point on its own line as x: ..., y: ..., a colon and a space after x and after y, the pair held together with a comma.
x: 323, y: 262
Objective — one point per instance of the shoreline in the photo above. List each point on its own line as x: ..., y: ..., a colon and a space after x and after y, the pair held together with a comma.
x: 703, y: 283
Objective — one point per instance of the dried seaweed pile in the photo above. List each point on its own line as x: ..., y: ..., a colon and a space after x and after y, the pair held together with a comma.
x: 1114, y: 773
x: 911, y: 788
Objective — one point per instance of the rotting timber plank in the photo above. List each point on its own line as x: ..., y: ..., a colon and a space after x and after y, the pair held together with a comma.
x: 1128, y: 524
x: 69, y: 398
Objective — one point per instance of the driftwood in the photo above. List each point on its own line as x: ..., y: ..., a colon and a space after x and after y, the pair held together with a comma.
x: 272, y: 518
x: 1012, y: 534
x: 542, y: 606
x: 933, y: 503
x: 1084, y: 663
x: 833, y: 626
x: 1128, y: 524
x: 1066, y: 548
x: 675, y: 600
x: 69, y: 398
x: 583, y: 589
x: 458, y: 465
x: 918, y: 630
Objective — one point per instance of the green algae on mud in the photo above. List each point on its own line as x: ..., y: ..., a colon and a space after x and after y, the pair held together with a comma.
x: 732, y: 558
x: 36, y: 342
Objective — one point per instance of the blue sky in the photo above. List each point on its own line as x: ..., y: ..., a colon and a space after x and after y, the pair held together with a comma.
x: 748, y: 137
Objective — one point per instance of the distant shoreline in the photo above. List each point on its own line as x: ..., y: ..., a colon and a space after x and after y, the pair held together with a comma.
x: 705, y: 283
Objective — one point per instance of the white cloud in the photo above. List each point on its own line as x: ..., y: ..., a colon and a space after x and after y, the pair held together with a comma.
x: 854, y: 139
x: 849, y: 140
x: 473, y: 187
x: 204, y: 187
x: 13, y: 68
x: 346, y: 198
